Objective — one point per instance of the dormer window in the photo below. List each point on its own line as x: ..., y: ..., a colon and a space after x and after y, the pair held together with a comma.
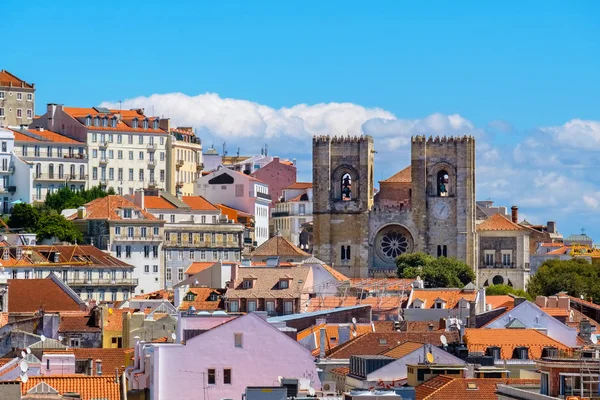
x: 155, y: 124
x: 134, y: 123
x: 440, y: 303
x: 213, y: 297
x: 6, y: 254
x: 190, y: 296
x: 145, y: 124
x: 88, y: 120
x: 105, y: 122
x: 418, y: 303
x: 113, y: 123
x: 247, y: 283
x: 96, y: 121
x: 284, y: 284
x: 127, y: 213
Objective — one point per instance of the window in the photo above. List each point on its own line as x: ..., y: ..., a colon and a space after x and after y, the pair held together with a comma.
x: 29, y: 113
x: 127, y: 214
x: 146, y: 251
x: 212, y: 376
x: 29, y: 97
x: 130, y: 232
x: 234, y: 306
x: 155, y: 230
x: 19, y: 96
x: 169, y: 277
x: 251, y: 306
x: 118, y: 251
x: 146, y: 269
x: 130, y: 139
x: 120, y: 174
x: 1, y: 110
x: 1, y: 95
x: 270, y: 307
x: 111, y: 154
x: 141, y: 155
x: 140, y: 139
x: 162, y: 156
x: 180, y: 274
x: 19, y: 113
x: 346, y: 183
x: 95, y: 173
x: 111, y: 174
x: 227, y: 376
x: 131, y: 155
x: 141, y: 174
x: 155, y: 269
x: 442, y: 183
x: 180, y: 254
x: 215, y: 255
x: 127, y: 251
x: 238, y: 340
x: 130, y: 174
x: 143, y: 231
x: 345, y: 253
x: 154, y: 251
x: 203, y: 255
x: 117, y: 230
x: 284, y: 284
x: 74, y: 342
x: 192, y: 254
x: 173, y: 219
x: 288, y: 307
x: 162, y: 175
x: 489, y: 258
x: 247, y: 284
x: 506, y: 258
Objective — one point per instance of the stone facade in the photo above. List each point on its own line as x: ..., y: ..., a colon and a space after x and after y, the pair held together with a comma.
x: 510, y: 255
x: 17, y: 100
x: 427, y: 207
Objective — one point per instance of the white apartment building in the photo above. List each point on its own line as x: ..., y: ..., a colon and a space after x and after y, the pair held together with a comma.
x: 56, y: 160
x: 240, y: 192
x: 126, y: 148
x: 12, y: 170
x: 195, y: 231
x: 128, y: 232
x: 295, y: 210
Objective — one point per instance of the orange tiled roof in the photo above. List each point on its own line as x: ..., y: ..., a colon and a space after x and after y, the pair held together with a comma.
x: 80, y: 115
x: 423, y: 326
x: 201, y: 301
x: 300, y: 185
x: 106, y: 208
x: 498, y: 222
x: 389, y: 284
x: 8, y: 79
x: 376, y: 303
x: 31, y: 295
x: 278, y: 246
x: 199, y: 203
x: 198, y: 266
x: 48, y: 135
x: 162, y: 294
x: 402, y: 349
x: 112, y: 359
x: 478, y: 340
x: 404, y: 176
x: 114, y: 321
x: 160, y: 202
x: 336, y: 274
x: 232, y: 213
x: 187, y: 131
x: 341, y: 371
x: 553, y: 244
x: 301, y: 197
x: 84, y: 256
x: 559, y: 251
x: 450, y: 296
x: 88, y: 387
x: 333, y: 333
x: 444, y: 387
x: 499, y: 301
x: 77, y: 323
x: 557, y: 312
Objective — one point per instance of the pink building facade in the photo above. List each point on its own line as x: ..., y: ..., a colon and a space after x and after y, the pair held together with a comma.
x: 278, y: 175
x: 222, y: 362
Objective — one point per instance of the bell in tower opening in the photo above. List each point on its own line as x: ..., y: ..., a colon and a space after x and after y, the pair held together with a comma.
x: 442, y: 183
x: 346, y: 187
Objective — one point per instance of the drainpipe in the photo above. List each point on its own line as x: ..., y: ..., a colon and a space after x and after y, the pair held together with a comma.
x: 323, y: 333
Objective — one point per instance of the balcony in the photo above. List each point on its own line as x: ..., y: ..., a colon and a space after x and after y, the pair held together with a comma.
x: 50, y: 177
x: 138, y: 238
x: 131, y: 282
x: 151, y: 146
x: 152, y: 183
x: 103, y: 160
x: 179, y: 163
x: 8, y: 189
x: 103, y: 144
x: 76, y: 177
x: 179, y: 184
x: 199, y: 167
x: 76, y: 156
x: 104, y: 182
x: 499, y: 265
x: 151, y: 163
x: 9, y: 170
x: 281, y: 214
x: 263, y: 196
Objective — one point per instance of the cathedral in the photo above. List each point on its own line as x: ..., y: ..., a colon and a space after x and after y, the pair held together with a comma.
x: 429, y: 206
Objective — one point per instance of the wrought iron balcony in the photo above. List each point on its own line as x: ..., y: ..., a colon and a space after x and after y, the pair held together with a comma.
x: 102, y: 282
x: 151, y: 146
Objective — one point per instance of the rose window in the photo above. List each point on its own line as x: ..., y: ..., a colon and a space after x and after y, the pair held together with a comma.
x: 393, y: 244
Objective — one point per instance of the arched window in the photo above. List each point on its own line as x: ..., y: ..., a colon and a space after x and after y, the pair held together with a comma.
x: 146, y: 123
x: 346, y: 184
x: 343, y: 255
x: 96, y: 121
x: 105, y: 121
x: 114, y: 122
x: 51, y: 170
x: 38, y: 170
x: 81, y: 172
x: 155, y: 124
x: 348, y: 252
x: 442, y: 183
x: 72, y: 171
x: 439, y: 251
x: 134, y: 123
x: 445, y: 251
x: 61, y: 171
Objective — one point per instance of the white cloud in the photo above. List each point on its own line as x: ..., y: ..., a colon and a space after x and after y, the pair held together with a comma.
x: 591, y: 201
x: 576, y: 133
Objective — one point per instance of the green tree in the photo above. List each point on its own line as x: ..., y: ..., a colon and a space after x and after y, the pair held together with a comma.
x: 435, y: 272
x: 24, y: 216
x: 67, y: 198
x: 498, y: 290
x: 54, y: 225
x: 576, y: 276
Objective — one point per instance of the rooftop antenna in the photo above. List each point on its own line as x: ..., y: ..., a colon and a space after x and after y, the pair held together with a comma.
x: 238, y: 152
x: 120, y: 105
x: 266, y: 149
x: 224, y: 149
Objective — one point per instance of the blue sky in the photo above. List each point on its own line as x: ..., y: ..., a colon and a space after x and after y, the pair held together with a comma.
x: 520, y: 76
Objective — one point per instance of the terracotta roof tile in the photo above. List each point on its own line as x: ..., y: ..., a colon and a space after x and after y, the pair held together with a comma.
x: 77, y: 256
x: 498, y: 222
x: 380, y: 284
x: 88, y: 387
x: 499, y: 301
x: 559, y: 251
x: 31, y: 295
x: 423, y: 326
x: 333, y: 333
x: 106, y: 208
x: 300, y: 185
x: 402, y: 349
x: 124, y: 123
x: 162, y: 294
x: 112, y: 359
x: 77, y: 323
x: 341, y: 371
x: 557, y: 312
x: 375, y: 343
x: 301, y: 197
x: 444, y: 387
x: 335, y: 273
x: 376, y: 303
x: 478, y: 340
x: 266, y: 283
x: 114, y: 320
x: 278, y: 246
x: 198, y: 266
x: 157, y: 202
x: 404, y: 176
x: 450, y: 296
x: 49, y: 136
x: 199, y: 203
x: 8, y: 79
x: 202, y: 300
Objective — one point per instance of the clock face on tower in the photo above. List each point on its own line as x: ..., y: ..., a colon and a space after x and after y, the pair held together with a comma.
x: 441, y: 210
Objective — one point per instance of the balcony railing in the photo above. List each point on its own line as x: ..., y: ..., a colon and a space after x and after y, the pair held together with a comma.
x: 151, y: 146
x: 263, y: 195
x: 50, y: 177
x: 8, y: 170
x: 151, y: 163
x: 8, y: 189
x: 281, y: 214
x: 103, y: 160
x: 76, y: 156
x: 202, y: 243
x: 152, y: 183
x: 139, y: 238
x: 103, y: 143
x: 499, y: 265
x: 102, y: 282
x: 104, y: 182
x: 76, y: 177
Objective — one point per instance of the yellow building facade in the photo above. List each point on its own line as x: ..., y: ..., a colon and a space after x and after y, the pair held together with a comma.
x: 184, y: 160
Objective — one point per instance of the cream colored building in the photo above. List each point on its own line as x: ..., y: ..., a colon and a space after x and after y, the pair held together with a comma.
x: 17, y: 100
x: 184, y: 161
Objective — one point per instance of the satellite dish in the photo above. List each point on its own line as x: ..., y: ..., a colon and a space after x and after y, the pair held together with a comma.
x: 28, y: 350
x: 353, y: 320
x: 311, y: 391
x: 429, y: 357
x: 173, y: 336
x: 444, y: 340
x: 43, y: 338
x: 354, y: 333
x: 23, y: 354
x: 23, y: 365
x: 24, y: 378
x: 110, y: 311
x: 279, y: 378
x: 594, y: 339
x: 60, y: 338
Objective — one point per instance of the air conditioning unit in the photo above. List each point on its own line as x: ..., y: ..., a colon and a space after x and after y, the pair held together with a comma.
x: 328, y: 387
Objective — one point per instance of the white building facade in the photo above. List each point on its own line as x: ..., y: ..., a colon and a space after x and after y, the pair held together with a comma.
x: 241, y: 192
x: 289, y: 216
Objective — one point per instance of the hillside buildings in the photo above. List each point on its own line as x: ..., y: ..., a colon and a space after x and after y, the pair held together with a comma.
x: 289, y: 216
x: 17, y: 100
x: 184, y: 161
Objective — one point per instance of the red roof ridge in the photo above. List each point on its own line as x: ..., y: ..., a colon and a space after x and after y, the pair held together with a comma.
x: 499, y: 222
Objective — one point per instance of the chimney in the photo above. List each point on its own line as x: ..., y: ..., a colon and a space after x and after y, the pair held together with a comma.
x: 472, y: 314
x: 99, y: 367
x: 551, y: 227
x: 81, y: 212
x: 481, y: 305
x: 541, y: 301
x: 515, y: 214
x: 323, y: 343
x: 139, y: 198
